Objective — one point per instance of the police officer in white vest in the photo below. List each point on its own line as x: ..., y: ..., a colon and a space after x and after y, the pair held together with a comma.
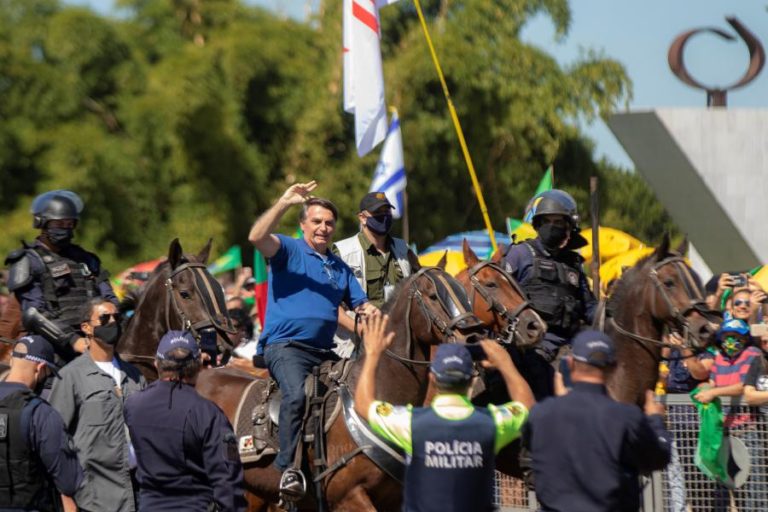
x: 379, y: 261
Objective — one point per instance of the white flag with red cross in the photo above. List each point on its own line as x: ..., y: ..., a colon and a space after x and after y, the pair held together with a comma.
x: 363, y: 75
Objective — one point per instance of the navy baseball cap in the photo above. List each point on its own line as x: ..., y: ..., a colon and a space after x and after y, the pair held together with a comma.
x: 177, y: 339
x: 452, y: 364
x: 37, y: 349
x: 372, y: 201
x: 594, y: 348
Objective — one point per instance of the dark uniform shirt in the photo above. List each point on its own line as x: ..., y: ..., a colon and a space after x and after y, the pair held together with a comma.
x: 185, y: 449
x: 32, y: 294
x: 520, y: 263
x: 50, y: 442
x: 588, y: 451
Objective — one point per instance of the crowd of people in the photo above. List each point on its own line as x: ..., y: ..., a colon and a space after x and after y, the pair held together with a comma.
x: 84, y: 430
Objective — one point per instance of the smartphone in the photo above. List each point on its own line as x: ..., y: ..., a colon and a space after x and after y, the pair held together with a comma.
x: 738, y: 280
x: 477, y: 352
x: 758, y: 330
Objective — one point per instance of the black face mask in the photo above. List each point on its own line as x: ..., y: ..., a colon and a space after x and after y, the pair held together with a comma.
x: 109, y: 333
x: 60, y: 237
x: 379, y: 224
x: 552, y: 236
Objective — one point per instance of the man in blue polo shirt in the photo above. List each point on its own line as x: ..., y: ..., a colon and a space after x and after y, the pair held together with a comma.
x: 307, y: 284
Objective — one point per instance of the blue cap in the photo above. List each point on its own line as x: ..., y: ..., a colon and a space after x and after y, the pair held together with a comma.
x: 594, y: 348
x: 452, y: 364
x: 733, y: 326
x: 177, y: 339
x: 36, y: 348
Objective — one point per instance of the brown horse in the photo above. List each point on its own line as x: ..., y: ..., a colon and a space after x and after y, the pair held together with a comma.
x: 428, y: 308
x: 180, y: 294
x: 498, y: 301
x: 659, y: 294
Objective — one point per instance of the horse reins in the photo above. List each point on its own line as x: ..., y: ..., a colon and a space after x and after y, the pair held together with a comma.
x: 447, y: 329
x: 199, y: 270
x: 696, y: 303
x: 498, y: 308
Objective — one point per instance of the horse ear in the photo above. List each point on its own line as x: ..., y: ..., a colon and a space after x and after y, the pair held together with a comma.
x: 443, y: 261
x: 175, y: 253
x: 414, y: 261
x: 202, y: 256
x: 499, y: 254
x: 682, y: 249
x: 470, y: 258
x: 663, y: 249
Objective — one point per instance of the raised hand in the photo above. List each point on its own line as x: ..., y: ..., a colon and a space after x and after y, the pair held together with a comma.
x: 298, y: 192
x: 375, y: 336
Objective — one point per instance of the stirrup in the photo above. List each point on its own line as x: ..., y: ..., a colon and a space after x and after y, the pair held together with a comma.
x: 293, y: 485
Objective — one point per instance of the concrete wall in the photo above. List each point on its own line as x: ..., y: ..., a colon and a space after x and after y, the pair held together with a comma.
x: 709, y: 167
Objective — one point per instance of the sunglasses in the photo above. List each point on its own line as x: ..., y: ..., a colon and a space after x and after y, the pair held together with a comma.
x: 741, y: 302
x: 104, y: 319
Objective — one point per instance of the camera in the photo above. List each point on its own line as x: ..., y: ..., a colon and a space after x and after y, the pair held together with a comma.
x: 477, y: 352
x: 738, y: 281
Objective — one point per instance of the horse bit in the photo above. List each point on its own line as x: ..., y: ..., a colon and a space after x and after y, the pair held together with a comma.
x: 512, y: 318
x: 696, y: 303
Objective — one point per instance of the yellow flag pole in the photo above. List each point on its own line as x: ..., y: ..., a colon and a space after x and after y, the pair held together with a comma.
x: 459, y: 131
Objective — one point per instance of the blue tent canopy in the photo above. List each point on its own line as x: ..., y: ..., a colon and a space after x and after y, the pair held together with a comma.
x: 478, y: 241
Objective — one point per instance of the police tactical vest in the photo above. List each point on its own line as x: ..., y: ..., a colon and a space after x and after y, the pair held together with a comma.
x: 67, y: 286
x: 23, y: 481
x: 553, y: 290
x: 351, y: 252
x: 453, y: 462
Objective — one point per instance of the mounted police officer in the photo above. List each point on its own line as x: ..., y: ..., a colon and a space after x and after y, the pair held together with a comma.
x: 550, y: 272
x: 53, y: 278
x: 378, y: 260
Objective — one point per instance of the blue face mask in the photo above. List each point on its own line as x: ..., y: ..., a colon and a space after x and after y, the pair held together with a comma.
x: 379, y: 224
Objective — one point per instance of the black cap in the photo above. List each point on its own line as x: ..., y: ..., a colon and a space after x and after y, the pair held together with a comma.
x: 37, y: 349
x: 373, y: 201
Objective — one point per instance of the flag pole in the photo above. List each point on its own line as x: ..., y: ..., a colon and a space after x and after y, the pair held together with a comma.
x: 406, y: 227
x: 459, y: 131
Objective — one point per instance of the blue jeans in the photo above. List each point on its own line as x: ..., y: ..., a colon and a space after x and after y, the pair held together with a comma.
x: 289, y: 364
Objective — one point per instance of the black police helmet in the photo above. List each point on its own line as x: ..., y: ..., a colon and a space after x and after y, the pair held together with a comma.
x: 56, y: 205
x: 552, y: 202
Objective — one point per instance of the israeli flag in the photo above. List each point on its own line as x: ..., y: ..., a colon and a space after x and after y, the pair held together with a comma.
x: 390, y: 171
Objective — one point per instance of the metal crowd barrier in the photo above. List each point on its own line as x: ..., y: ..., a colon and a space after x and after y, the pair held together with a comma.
x: 682, y: 487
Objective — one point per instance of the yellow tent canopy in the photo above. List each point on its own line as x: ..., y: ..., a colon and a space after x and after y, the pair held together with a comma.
x: 454, y: 265
x: 613, y: 242
x: 613, y: 268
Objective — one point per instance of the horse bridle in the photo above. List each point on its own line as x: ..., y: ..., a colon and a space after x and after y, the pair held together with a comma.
x: 696, y: 303
x: 511, y: 317
x: 211, y: 321
x: 447, y: 329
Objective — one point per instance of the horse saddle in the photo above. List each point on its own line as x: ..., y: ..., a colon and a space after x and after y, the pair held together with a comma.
x: 257, y: 418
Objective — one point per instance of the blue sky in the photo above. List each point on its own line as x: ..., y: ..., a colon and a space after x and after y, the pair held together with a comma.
x: 637, y: 34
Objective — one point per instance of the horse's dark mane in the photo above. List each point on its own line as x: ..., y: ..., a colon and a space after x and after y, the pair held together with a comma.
x: 626, y: 284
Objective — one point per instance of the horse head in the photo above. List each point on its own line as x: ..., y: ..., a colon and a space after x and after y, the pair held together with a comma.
x: 180, y: 295
x: 671, y: 293
x: 498, y: 301
x: 435, y: 309
x: 678, y: 298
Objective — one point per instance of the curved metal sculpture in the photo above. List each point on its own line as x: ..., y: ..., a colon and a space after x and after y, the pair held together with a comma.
x: 717, y: 97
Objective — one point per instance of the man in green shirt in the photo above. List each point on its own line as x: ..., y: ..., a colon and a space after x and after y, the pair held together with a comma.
x: 378, y: 261
x: 450, y: 445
